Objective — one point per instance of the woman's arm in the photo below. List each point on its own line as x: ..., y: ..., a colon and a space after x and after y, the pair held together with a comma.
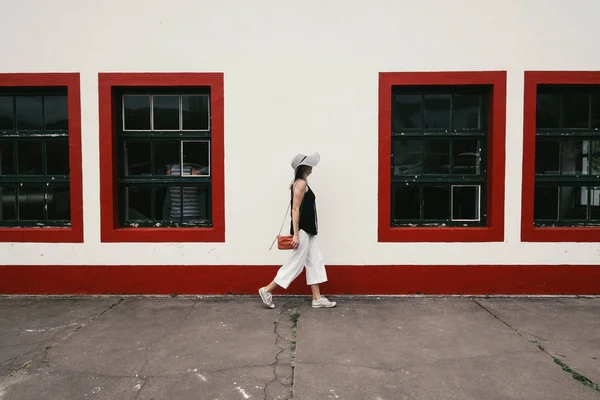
x: 299, y: 190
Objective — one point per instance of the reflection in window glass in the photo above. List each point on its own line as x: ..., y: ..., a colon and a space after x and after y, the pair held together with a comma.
x: 59, y: 202
x: 576, y: 110
x: 196, y: 154
x: 136, y: 113
x: 548, y: 111
x: 137, y: 157
x: 29, y: 112
x: 166, y: 113
x: 437, y: 111
x: 31, y: 203
x: 436, y: 202
x: 465, y: 203
x: 436, y: 155
x: 30, y: 158
x: 574, y: 157
x: 7, y: 157
x: 547, y: 157
x: 56, y: 112
x: 7, y: 114
x: 595, y: 202
x: 195, y: 112
x: 138, y: 203
x: 595, y: 157
x: 466, y: 155
x: 573, y: 202
x: 407, y: 157
x: 406, y: 202
x: 166, y: 155
x: 406, y: 111
x: 466, y: 111
x: 188, y: 204
x: 545, y: 203
x: 57, y: 157
x: 8, y: 203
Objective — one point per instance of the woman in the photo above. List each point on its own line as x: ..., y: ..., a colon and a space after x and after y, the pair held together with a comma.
x: 304, y: 227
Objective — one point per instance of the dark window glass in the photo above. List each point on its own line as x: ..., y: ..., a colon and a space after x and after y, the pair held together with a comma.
x: 548, y: 111
x: 406, y: 111
x: 407, y: 157
x: 595, y: 157
x: 196, y: 154
x: 436, y: 154
x: 138, y: 203
x: 161, y: 204
x: 466, y: 155
x: 59, y: 202
x: 57, y: 157
x: 56, y: 112
x: 545, y: 203
x: 136, y: 112
x: 595, y: 202
x: 7, y: 158
x: 465, y: 202
x: 576, y: 110
x: 195, y: 112
x: 30, y: 157
x: 547, y: 157
x: 595, y: 111
x: 573, y: 202
x: 166, y: 155
x: 29, y: 112
x: 572, y: 160
x: 31, y: 203
x: 436, y: 202
x: 407, y: 202
x: 166, y: 113
x: 466, y: 111
x: 138, y: 158
x: 437, y: 111
x: 7, y: 113
x: 8, y: 203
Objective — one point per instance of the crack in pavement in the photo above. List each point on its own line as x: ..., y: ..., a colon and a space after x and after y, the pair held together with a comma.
x: 577, y: 376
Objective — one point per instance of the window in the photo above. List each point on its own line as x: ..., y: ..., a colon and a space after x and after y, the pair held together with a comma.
x: 168, y: 172
x: 561, y: 181
x: 40, y: 158
x: 443, y: 134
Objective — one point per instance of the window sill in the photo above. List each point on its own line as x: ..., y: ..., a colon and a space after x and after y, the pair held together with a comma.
x: 41, y: 235
x: 163, y: 235
x: 441, y: 234
x: 560, y: 234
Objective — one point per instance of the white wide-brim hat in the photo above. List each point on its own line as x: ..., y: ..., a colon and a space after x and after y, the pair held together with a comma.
x: 310, y: 160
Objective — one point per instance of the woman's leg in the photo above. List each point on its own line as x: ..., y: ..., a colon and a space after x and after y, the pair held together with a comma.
x: 315, y: 268
x: 316, y: 291
x: 294, y: 266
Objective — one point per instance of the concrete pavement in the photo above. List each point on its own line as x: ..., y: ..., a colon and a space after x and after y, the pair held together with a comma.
x: 233, y: 348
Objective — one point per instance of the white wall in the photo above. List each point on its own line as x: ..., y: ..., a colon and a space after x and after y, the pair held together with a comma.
x: 278, y: 56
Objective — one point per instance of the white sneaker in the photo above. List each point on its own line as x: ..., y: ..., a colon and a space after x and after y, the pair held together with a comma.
x: 266, y: 297
x: 323, y: 303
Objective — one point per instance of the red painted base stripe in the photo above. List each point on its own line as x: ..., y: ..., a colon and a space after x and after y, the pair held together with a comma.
x: 343, y: 279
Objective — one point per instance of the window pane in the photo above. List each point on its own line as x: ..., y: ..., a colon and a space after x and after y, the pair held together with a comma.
x: 437, y: 111
x: 545, y: 203
x: 547, y: 157
x: 574, y: 157
x: 466, y: 111
x: 576, y: 110
x: 573, y: 202
x: 31, y: 203
x: 406, y: 202
x: 407, y: 157
x: 137, y: 158
x: 436, y: 156
x: 138, y: 203
x: 465, y: 203
x: 436, y: 202
x: 195, y: 112
x: 406, y: 112
x: 7, y: 157
x: 29, y: 112
x: 30, y: 158
x: 166, y: 113
x: 196, y: 154
x: 136, y: 113
x: 189, y: 203
x: 547, y: 111
x: 595, y: 157
x: 7, y: 114
x: 595, y: 111
x: 466, y: 156
x: 161, y: 204
x: 59, y: 203
x: 8, y: 203
x: 55, y: 112
x: 166, y: 154
x: 57, y: 157
x: 595, y: 202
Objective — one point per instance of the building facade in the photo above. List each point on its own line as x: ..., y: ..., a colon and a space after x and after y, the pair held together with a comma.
x: 145, y: 147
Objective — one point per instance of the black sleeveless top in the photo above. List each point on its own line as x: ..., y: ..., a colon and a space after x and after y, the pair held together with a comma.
x: 308, y: 213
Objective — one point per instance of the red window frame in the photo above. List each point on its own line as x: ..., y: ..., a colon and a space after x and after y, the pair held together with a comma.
x: 494, y: 229
x: 529, y: 232
x: 110, y: 230
x: 73, y: 234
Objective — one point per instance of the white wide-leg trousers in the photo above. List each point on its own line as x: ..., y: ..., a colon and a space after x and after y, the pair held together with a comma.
x: 306, y: 255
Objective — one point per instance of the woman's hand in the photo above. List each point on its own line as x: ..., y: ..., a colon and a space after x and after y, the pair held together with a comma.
x: 295, y: 241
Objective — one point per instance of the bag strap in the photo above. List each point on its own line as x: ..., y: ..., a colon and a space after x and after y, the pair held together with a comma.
x: 282, y: 223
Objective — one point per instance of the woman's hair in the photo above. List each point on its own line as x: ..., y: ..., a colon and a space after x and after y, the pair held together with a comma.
x: 299, y: 174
